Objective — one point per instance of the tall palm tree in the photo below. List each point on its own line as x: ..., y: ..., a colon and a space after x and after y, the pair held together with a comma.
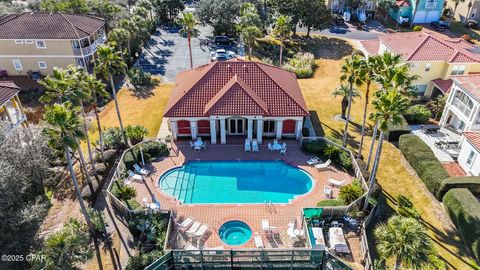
x: 249, y: 36
x: 389, y: 106
x: 282, y: 31
x: 350, y: 74
x: 405, y: 239
x: 188, y: 23
x: 65, y: 129
x: 121, y: 36
x: 110, y: 63
x: 344, y: 92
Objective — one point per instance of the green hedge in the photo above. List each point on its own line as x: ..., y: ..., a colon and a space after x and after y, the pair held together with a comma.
x: 395, y: 131
x: 151, y: 151
x: 326, y: 151
x: 464, y: 210
x: 471, y: 183
x: 417, y: 114
x: 422, y: 159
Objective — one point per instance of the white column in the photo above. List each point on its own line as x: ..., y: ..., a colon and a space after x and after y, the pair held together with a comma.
x: 298, y: 129
x: 173, y: 129
x: 259, y: 130
x: 194, y: 129
x: 213, y: 132
x: 250, y: 129
x: 279, y: 129
x: 223, y: 133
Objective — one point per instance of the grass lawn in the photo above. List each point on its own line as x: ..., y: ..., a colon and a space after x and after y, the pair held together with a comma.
x: 394, y: 174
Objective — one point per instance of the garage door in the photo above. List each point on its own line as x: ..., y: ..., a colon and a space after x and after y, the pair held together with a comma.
x: 432, y: 16
x: 420, y: 17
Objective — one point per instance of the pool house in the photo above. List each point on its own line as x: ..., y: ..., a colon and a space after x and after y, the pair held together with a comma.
x: 236, y: 99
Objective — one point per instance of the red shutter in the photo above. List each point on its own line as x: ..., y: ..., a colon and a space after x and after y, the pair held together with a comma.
x: 183, y: 127
x: 288, y: 126
x: 203, y: 127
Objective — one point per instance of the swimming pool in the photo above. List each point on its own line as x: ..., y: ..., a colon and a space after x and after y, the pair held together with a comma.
x: 235, y: 182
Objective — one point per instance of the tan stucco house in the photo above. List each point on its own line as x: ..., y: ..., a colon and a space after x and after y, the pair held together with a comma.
x: 466, y: 11
x: 40, y: 41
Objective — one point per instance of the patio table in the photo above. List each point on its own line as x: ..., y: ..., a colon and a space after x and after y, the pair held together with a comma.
x: 198, y: 143
x: 276, y: 146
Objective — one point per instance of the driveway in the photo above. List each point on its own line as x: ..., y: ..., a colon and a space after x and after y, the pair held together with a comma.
x: 166, y: 53
x: 349, y: 31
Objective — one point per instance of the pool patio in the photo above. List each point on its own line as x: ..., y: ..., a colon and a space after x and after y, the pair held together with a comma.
x: 214, y: 215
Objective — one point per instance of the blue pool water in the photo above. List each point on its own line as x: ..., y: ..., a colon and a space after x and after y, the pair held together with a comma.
x: 235, y: 182
x: 235, y: 233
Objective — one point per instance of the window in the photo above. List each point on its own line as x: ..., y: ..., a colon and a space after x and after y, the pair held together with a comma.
x: 18, y: 41
x: 428, y: 66
x: 431, y: 4
x: 268, y: 126
x: 421, y: 89
x: 413, y: 65
x: 458, y: 70
x: 41, y: 44
x: 369, y: 5
x: 471, y: 158
x: 463, y: 103
x: 42, y: 64
x: 17, y: 64
x: 28, y: 41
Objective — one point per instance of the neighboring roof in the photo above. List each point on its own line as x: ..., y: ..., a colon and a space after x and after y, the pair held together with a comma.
x: 444, y: 85
x: 429, y: 46
x: 48, y: 25
x: 236, y: 87
x: 402, y: 3
x: 371, y: 46
x: 470, y: 83
x: 7, y: 91
x: 473, y: 138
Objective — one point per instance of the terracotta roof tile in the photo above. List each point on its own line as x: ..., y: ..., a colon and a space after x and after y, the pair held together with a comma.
x: 48, y: 25
x: 260, y: 88
x: 7, y: 91
x: 470, y: 83
x: 371, y: 46
x: 473, y: 138
x: 444, y: 85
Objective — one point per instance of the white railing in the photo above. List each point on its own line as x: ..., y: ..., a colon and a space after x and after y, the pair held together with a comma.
x: 92, y: 48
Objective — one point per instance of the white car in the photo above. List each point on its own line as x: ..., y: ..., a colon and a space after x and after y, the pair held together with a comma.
x: 221, y: 55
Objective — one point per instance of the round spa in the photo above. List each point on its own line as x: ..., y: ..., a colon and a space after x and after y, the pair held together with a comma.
x: 235, y: 233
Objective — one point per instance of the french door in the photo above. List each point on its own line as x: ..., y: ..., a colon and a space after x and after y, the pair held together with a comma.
x: 236, y: 126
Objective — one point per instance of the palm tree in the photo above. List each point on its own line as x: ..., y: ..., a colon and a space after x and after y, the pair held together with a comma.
x: 188, y: 23
x: 406, y: 240
x: 64, y: 129
x: 344, y: 92
x: 249, y: 36
x: 282, y: 31
x: 110, y: 63
x: 389, y: 106
x: 121, y: 37
x: 350, y: 74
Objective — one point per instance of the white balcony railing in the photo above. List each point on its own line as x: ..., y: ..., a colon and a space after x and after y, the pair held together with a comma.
x: 90, y: 49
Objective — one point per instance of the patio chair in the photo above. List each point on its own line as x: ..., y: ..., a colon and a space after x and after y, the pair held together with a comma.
x: 185, y: 224
x: 328, y: 192
x: 254, y: 145
x: 199, y: 139
x: 194, y: 228
x: 198, y: 148
x: 140, y: 170
x: 275, y: 141
x: 258, y: 241
x: 204, y: 145
x: 270, y: 148
x: 201, y: 231
x: 313, y: 161
x: 337, y: 183
x: 248, y: 146
x: 322, y: 166
x: 290, y: 231
x: 191, y: 144
x: 283, y: 151
x: 134, y: 176
x: 284, y: 146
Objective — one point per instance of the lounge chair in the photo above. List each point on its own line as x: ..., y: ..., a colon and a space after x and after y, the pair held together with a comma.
x: 257, y: 238
x: 194, y: 228
x: 254, y: 145
x: 291, y: 231
x: 322, y: 166
x: 327, y: 191
x: 248, y: 146
x: 313, y: 161
x: 134, y: 176
x: 337, y: 183
x: 201, y: 231
x: 185, y: 224
x: 140, y: 170
x: 270, y: 147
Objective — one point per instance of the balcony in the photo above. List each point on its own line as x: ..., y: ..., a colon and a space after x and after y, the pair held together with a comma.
x: 90, y: 49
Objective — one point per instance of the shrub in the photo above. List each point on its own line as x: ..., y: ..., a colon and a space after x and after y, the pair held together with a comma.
x: 471, y: 183
x: 417, y: 114
x: 314, y: 147
x: 97, y: 220
x: 422, y: 159
x: 330, y: 202
x: 464, y: 210
x: 155, y: 149
x: 139, y: 77
x: 136, y: 133
x: 302, y: 64
x: 351, y: 192
x: 305, y: 132
x: 112, y: 138
x: 417, y: 28
x: 345, y: 161
x: 395, y: 131
x: 151, y: 150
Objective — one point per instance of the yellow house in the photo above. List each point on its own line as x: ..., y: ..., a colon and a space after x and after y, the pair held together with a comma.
x: 40, y: 41
x: 431, y: 56
x: 11, y: 110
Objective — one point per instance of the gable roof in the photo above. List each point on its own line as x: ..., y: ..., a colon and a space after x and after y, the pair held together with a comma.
x: 470, y: 83
x: 473, y: 138
x: 236, y: 87
x: 7, y: 91
x: 428, y: 46
x: 444, y: 85
x: 48, y: 25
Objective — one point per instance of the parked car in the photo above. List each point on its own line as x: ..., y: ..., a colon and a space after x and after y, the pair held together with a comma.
x: 223, y: 41
x: 439, y: 25
x: 221, y: 55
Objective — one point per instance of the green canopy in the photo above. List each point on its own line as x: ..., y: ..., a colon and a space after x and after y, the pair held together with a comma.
x: 312, y: 212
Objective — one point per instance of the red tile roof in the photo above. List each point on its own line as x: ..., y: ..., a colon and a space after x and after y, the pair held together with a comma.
x: 371, y: 45
x: 428, y: 46
x: 473, y: 138
x: 7, y: 91
x: 402, y: 3
x: 444, y: 85
x: 48, y: 25
x: 470, y: 83
x: 236, y: 87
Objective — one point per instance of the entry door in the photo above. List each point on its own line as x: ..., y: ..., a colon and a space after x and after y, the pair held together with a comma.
x: 236, y: 126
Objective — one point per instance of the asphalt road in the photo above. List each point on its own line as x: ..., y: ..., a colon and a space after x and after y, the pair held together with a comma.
x: 349, y: 31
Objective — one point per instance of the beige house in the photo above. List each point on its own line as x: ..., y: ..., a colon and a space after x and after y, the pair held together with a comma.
x: 468, y: 10
x: 40, y: 41
x: 11, y: 110
x: 339, y: 6
x: 431, y: 56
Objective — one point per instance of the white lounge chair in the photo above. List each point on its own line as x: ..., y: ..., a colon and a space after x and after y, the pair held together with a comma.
x: 337, y: 183
x: 291, y: 231
x: 201, y: 231
x: 313, y: 161
x: 185, y: 224
x: 248, y: 146
x: 140, y: 170
x: 134, y: 176
x: 254, y: 145
x: 257, y: 238
x: 327, y: 191
x: 194, y: 228
x: 322, y: 166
